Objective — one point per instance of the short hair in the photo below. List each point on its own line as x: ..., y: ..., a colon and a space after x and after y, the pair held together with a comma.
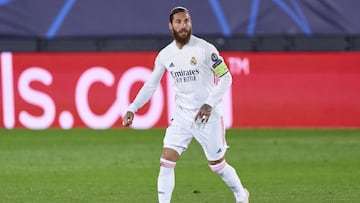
x: 177, y: 9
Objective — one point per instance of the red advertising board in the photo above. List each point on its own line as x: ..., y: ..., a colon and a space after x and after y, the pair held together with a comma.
x: 92, y: 90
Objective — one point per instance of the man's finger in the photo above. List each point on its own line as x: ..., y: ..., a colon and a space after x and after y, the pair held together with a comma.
x: 124, y: 123
x: 203, y: 118
x: 197, y: 116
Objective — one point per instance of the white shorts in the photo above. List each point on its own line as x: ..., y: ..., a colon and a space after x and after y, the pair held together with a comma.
x: 183, y: 128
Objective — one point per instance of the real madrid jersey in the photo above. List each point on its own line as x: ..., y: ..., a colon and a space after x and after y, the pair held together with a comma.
x: 199, y: 75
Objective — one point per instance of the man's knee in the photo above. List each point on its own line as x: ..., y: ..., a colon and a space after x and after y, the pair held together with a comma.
x: 170, y: 154
x: 217, y: 165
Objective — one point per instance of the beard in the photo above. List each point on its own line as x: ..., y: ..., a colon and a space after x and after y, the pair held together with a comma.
x: 182, y: 39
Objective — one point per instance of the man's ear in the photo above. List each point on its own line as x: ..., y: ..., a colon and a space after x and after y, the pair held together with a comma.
x: 170, y: 26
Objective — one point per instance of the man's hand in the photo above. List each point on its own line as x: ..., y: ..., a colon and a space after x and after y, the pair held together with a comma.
x: 204, y: 113
x: 128, y: 119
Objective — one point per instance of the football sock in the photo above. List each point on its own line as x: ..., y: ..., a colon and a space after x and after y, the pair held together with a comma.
x: 166, y: 180
x: 232, y: 180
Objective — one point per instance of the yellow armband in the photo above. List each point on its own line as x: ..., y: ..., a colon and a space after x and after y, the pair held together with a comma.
x: 220, y: 68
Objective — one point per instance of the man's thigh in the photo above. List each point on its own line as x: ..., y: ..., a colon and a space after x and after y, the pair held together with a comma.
x: 211, y: 137
x: 177, y: 137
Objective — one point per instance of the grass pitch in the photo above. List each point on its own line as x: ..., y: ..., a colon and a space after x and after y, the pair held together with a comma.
x: 118, y: 165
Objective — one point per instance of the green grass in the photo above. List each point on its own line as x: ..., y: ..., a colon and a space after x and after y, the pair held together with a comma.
x: 85, y: 165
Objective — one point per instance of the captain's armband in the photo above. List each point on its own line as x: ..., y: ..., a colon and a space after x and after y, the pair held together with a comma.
x: 220, y: 68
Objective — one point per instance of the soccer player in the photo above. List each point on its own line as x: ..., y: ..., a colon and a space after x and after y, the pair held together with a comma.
x: 200, y: 79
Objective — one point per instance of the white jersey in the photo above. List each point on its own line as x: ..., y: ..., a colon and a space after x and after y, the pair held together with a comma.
x: 191, y: 69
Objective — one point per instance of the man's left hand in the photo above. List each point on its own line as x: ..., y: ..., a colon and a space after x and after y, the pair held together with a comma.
x: 204, y: 113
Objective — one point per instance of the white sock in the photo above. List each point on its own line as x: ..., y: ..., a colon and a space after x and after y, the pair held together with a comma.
x: 166, y: 180
x: 232, y: 180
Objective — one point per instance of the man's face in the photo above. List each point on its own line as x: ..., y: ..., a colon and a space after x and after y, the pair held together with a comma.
x: 181, y: 27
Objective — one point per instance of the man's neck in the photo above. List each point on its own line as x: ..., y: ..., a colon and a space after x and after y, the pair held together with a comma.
x: 180, y: 45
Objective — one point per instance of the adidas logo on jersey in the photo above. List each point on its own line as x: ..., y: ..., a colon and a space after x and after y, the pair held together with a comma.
x: 171, y: 65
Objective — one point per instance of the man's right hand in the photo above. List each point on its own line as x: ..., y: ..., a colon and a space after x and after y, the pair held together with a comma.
x: 128, y: 119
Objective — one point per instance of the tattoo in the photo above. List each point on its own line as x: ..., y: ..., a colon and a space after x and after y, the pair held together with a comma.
x: 206, y: 107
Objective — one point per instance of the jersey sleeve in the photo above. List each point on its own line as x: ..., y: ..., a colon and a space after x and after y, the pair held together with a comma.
x: 215, y: 61
x: 149, y: 87
x: 219, y: 67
